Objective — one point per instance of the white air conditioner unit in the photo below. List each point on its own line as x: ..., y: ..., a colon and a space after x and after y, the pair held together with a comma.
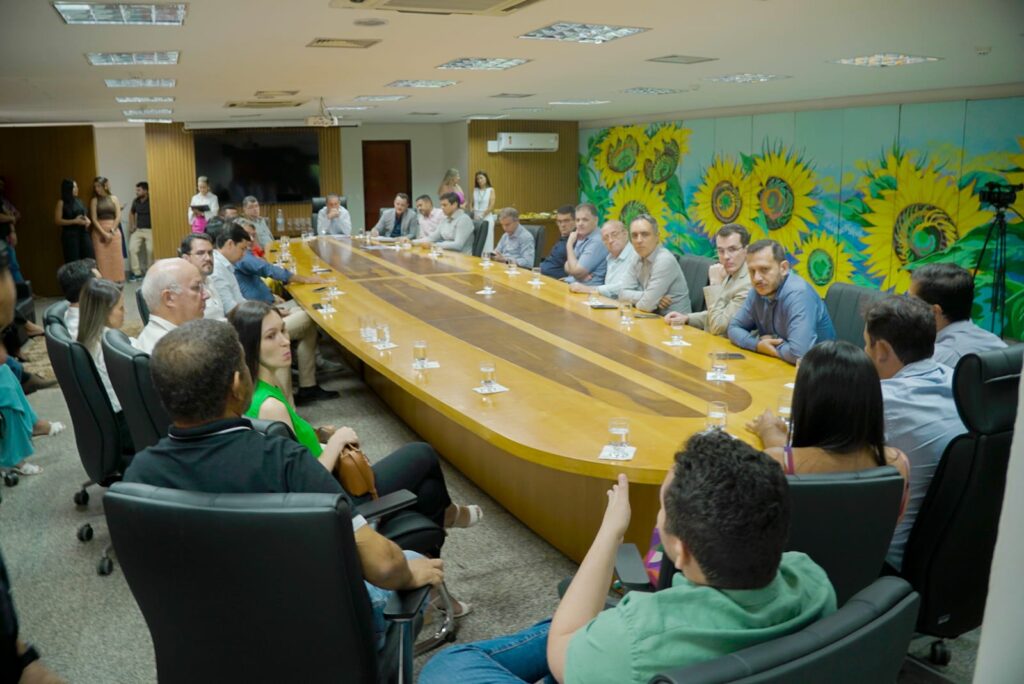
x: 524, y: 142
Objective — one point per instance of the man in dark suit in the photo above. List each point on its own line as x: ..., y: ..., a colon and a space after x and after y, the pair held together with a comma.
x: 397, y: 222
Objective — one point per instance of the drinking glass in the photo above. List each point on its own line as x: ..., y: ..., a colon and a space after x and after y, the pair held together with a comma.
x: 785, y: 411
x: 718, y: 414
x: 536, y: 276
x: 326, y: 307
x: 677, y: 332
x: 511, y: 267
x: 619, y: 429
x: 367, y: 328
x: 593, y: 299
x: 485, y: 260
x: 717, y: 366
x: 383, y: 333
x: 488, y: 286
x: 626, y: 313
x: 419, y: 353
x: 487, y: 374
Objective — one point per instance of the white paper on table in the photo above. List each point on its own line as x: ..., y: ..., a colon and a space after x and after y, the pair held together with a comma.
x: 715, y: 377
x: 612, y: 452
x: 486, y: 293
x: 492, y: 388
x: 425, y: 365
x: 384, y: 346
x: 680, y: 343
x: 790, y: 385
x: 321, y: 269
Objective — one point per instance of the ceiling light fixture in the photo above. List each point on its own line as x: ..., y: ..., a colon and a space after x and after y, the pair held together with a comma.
x: 525, y: 110
x: 682, y: 59
x: 380, y: 98
x: 485, y: 117
x: 745, y: 78
x: 513, y: 96
x: 884, y: 59
x: 132, y: 58
x: 483, y: 63
x: 145, y: 121
x: 140, y: 82
x: 594, y: 34
x: 147, y: 112
x: 348, y: 108
x: 579, y: 103
x: 124, y: 14
x: 420, y: 84
x: 135, y: 99
x: 270, y: 94
x: 651, y: 91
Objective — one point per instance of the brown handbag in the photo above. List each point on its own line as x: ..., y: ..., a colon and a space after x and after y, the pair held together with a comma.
x: 354, y: 472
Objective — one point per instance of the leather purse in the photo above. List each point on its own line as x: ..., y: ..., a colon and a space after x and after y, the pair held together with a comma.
x: 354, y: 472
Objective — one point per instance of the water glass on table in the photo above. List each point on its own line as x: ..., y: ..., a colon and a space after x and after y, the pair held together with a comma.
x: 718, y: 415
x: 677, y: 332
x: 536, y: 281
x: 485, y: 260
x: 419, y: 353
x: 717, y: 366
x: 487, y: 374
x: 619, y: 430
x: 626, y: 313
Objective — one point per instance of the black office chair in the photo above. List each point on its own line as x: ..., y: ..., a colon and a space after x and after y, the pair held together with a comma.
x: 695, y: 270
x: 846, y: 305
x: 479, y: 237
x: 864, y: 641
x: 25, y: 306
x: 949, y: 552
x: 96, y: 436
x: 321, y: 202
x: 130, y: 377
x: 254, y: 587
x: 140, y: 302
x: 538, y: 242
x: 54, y: 314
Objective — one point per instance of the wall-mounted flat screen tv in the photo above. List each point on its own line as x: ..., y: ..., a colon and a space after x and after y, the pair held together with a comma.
x: 271, y: 165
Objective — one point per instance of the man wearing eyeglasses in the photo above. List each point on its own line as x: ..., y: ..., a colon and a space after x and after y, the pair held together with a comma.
x: 175, y: 294
x: 729, y: 283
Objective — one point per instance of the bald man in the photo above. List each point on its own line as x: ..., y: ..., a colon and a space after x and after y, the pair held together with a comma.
x: 174, y: 291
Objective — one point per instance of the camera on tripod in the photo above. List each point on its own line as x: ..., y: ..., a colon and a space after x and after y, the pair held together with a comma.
x: 999, y: 195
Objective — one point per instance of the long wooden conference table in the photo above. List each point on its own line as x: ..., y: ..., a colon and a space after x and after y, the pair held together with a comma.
x: 569, y: 369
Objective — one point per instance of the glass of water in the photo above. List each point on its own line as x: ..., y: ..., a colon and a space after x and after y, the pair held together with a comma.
x: 488, y: 286
x: 786, y: 409
x: 383, y: 333
x: 718, y: 414
x: 593, y: 299
x: 717, y: 366
x: 367, y: 329
x: 536, y: 281
x: 487, y: 374
x: 626, y: 313
x: 511, y: 267
x: 619, y: 430
x: 485, y: 260
x: 677, y: 332
x: 419, y: 353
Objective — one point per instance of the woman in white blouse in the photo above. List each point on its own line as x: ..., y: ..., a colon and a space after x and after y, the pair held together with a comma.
x: 483, y: 204
x: 203, y: 196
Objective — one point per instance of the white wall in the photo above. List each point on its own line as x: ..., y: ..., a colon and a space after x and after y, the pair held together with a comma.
x: 455, y: 137
x: 433, y: 148
x: 121, y: 157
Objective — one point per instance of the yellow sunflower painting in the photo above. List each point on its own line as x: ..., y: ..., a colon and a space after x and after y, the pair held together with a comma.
x: 925, y: 213
x: 618, y: 153
x: 638, y: 197
x: 783, y: 187
x: 723, y: 197
x: 660, y: 157
x: 823, y: 260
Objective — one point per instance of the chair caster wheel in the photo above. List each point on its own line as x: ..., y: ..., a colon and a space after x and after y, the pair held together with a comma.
x: 11, y: 479
x: 939, y: 653
x: 105, y: 566
x: 81, y: 498
x: 85, y: 532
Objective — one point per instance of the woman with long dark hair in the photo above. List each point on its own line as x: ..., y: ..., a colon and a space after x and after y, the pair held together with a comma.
x: 101, y: 308
x: 71, y: 216
x: 105, y: 211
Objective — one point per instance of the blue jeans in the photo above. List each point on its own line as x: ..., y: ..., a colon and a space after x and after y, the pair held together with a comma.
x: 378, y: 599
x: 521, y: 657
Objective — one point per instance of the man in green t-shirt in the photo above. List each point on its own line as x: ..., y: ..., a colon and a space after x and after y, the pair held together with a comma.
x: 724, y: 521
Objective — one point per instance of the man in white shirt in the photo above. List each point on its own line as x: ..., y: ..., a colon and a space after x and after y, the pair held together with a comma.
x: 456, y: 230
x: 949, y: 289
x: 729, y: 283
x: 174, y: 292
x: 657, y: 283
x: 72, y: 277
x: 197, y: 249
x: 333, y: 219
x: 428, y: 216
x: 232, y: 244
x: 620, y: 260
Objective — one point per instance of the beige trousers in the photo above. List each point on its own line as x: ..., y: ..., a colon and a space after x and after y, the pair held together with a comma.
x: 142, y: 237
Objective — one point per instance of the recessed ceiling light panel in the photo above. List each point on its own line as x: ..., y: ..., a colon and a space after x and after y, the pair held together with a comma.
x: 135, y: 99
x: 513, y: 96
x: 745, y: 78
x: 485, y: 117
x: 380, y: 98
x: 651, y: 91
x: 420, y: 84
x: 483, y: 63
x: 269, y: 94
x: 140, y: 82
x: 348, y: 108
x: 163, y: 121
x: 682, y: 59
x: 424, y: 113
x: 579, y: 103
x: 885, y: 59
x: 350, y: 43
x: 132, y: 58
x: 525, y: 110
x: 147, y: 112
x: 594, y: 34
x: 123, y: 14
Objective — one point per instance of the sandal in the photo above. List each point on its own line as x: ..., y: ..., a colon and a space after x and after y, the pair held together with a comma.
x: 466, y: 516
x: 33, y: 469
x: 462, y: 608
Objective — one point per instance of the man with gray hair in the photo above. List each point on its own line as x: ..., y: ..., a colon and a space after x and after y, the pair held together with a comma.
x: 251, y: 211
x: 333, y: 219
x: 517, y: 243
x: 658, y: 282
x: 620, y: 260
x: 175, y: 294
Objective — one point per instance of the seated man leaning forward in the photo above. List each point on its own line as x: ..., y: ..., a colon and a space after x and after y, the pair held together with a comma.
x: 516, y: 243
x: 724, y: 521
x: 200, y: 374
x: 950, y: 291
x: 657, y: 282
x: 584, y: 252
x: 456, y: 229
x: 728, y: 283
x: 620, y: 260
x: 175, y: 293
x: 399, y: 222
x: 333, y: 219
x: 783, y: 316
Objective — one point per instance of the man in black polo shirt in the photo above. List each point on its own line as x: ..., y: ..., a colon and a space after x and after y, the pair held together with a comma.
x: 200, y: 373
x: 140, y: 227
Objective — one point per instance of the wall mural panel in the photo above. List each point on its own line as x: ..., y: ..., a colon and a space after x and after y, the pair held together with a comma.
x: 860, y: 195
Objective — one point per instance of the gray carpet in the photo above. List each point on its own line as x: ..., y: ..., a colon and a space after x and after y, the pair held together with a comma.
x: 89, y: 628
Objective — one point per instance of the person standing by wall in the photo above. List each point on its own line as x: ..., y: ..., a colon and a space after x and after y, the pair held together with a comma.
x: 203, y: 198
x: 140, y: 228
x: 105, y: 211
x: 71, y: 216
x: 450, y: 183
x: 483, y: 204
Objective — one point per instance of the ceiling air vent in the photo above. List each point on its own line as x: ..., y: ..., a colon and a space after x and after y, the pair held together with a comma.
x: 264, y: 104
x: 351, y: 43
x: 493, y: 8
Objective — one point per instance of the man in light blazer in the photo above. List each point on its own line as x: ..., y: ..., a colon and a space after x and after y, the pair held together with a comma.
x: 397, y: 222
x: 729, y: 283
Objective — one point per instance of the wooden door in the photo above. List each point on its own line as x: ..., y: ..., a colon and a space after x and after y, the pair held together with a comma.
x: 387, y: 171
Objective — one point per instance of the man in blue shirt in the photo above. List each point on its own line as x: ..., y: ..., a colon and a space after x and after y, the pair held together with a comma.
x: 783, y: 316
x: 516, y: 243
x: 585, y: 254
x: 250, y: 271
x: 917, y: 392
x: 553, y: 265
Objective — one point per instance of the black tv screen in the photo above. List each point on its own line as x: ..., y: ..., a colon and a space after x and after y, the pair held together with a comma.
x: 273, y: 166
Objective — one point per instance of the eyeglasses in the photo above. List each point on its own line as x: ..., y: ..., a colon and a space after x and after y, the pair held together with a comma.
x: 730, y: 251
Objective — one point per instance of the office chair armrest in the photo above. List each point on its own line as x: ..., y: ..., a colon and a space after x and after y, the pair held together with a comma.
x: 629, y: 568
x: 387, y: 504
x: 403, y: 606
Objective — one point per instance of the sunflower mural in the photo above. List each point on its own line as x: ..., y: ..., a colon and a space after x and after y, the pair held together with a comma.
x: 784, y: 189
x: 1015, y: 176
x: 723, y: 196
x: 636, y: 197
x: 660, y: 157
x: 823, y: 260
x: 618, y: 153
x: 912, y: 211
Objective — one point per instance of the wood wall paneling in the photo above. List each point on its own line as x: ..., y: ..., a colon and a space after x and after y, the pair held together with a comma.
x: 330, y: 160
x: 171, y: 171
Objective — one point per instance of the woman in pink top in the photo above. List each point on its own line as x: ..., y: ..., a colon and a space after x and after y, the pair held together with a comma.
x: 451, y: 184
